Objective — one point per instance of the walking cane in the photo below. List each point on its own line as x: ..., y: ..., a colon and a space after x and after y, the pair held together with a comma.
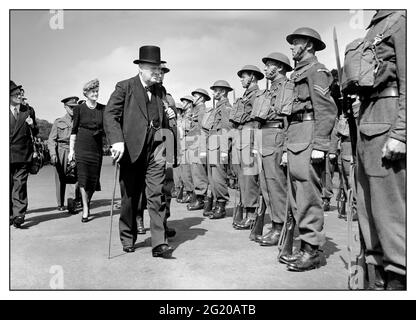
x: 112, y: 207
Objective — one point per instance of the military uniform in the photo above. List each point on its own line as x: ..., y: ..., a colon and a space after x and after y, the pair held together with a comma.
x: 310, y: 127
x: 198, y: 166
x: 58, y: 145
x: 216, y: 126
x: 381, y: 192
x: 273, y: 176
x: 242, y: 146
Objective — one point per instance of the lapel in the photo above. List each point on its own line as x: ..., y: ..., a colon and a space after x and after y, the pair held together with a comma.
x: 21, y: 119
x: 139, y: 95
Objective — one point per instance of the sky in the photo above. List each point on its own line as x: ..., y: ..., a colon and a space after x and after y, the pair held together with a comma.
x: 200, y: 47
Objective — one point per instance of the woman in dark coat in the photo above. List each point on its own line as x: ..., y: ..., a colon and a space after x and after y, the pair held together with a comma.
x: 86, y: 144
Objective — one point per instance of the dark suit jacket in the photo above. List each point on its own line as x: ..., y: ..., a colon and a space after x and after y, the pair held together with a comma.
x: 21, y: 146
x: 126, y: 118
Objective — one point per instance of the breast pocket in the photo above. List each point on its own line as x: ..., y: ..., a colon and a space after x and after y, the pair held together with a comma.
x: 63, y: 131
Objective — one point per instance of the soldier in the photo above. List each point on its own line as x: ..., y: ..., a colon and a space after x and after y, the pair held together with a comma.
x: 58, y: 145
x: 215, y: 126
x: 381, y: 154
x: 185, y: 167
x: 177, y: 176
x: 198, y: 166
x: 244, y: 126
x: 308, y: 136
x: 273, y: 124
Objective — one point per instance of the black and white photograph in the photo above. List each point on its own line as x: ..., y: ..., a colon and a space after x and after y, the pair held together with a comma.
x: 212, y: 149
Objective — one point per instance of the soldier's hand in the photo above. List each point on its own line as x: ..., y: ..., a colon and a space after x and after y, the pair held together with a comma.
x: 332, y: 157
x: 224, y: 158
x: 317, y: 156
x: 117, y: 151
x: 170, y: 113
x: 394, y: 149
x: 283, y: 162
x: 71, y: 156
x: 54, y: 160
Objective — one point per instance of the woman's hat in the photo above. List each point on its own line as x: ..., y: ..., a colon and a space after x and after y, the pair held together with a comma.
x: 149, y: 54
x: 93, y: 84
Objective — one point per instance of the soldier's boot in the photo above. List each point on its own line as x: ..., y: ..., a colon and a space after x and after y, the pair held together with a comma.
x: 376, y: 277
x: 219, y: 211
x: 326, y: 204
x: 395, y: 281
x: 187, y: 198
x: 290, y: 258
x: 208, y: 206
x: 272, y: 237
x: 71, y: 206
x: 198, y: 204
x: 308, y: 259
x: 140, y: 225
x: 237, y: 214
x: 175, y: 192
x: 249, y: 221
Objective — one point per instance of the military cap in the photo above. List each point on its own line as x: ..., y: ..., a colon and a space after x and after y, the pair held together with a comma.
x: 221, y: 84
x: 251, y: 68
x: 164, y: 68
x: 309, y: 33
x: 66, y: 100
x: 203, y: 92
x: 14, y: 86
x: 187, y: 98
x: 280, y: 57
x: 179, y: 106
x: 81, y: 101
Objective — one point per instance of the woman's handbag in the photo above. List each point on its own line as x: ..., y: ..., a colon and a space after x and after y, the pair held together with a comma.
x: 71, y: 172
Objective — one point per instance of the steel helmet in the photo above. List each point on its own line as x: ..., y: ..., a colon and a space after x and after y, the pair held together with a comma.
x: 221, y: 84
x: 309, y: 33
x: 187, y: 98
x: 280, y: 57
x: 251, y: 68
x: 203, y: 92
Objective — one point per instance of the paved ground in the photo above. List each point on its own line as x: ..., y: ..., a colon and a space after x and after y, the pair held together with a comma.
x: 209, y: 254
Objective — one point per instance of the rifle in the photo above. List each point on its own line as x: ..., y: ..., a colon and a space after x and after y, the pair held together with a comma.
x: 356, y: 273
x: 257, y: 225
x: 285, y: 244
x: 238, y: 208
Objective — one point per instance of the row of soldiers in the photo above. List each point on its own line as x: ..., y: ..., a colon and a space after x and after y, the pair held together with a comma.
x: 286, y: 132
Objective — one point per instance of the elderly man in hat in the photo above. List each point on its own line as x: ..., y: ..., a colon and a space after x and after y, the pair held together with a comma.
x: 135, y: 123
x: 198, y: 165
x: 22, y: 127
x: 58, y: 145
x: 184, y: 125
x: 270, y: 147
x: 308, y: 139
x: 242, y: 146
x: 214, y: 147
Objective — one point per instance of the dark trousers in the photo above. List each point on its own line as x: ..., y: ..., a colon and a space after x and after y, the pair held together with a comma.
x: 18, y: 189
x: 305, y: 186
x: 381, y: 188
x: 146, y: 174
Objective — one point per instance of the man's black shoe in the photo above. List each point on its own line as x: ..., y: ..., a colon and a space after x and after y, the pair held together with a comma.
x: 18, y: 221
x: 308, y: 260
x: 198, y: 204
x: 128, y: 249
x: 162, y: 251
